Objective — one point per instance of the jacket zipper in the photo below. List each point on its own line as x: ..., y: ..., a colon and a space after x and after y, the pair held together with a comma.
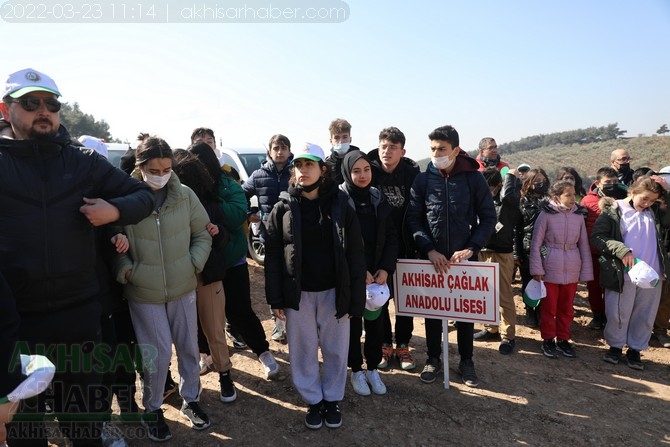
x: 160, y: 250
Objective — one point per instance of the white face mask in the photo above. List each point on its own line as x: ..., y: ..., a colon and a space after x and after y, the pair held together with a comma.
x: 155, y: 181
x: 341, y: 148
x: 442, y: 162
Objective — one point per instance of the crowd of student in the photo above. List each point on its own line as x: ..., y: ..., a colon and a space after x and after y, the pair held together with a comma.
x: 160, y: 255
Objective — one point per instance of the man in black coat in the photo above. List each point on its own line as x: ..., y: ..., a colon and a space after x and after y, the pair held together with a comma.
x: 52, y: 195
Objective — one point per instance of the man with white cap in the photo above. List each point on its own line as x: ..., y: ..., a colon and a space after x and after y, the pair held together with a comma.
x: 52, y: 196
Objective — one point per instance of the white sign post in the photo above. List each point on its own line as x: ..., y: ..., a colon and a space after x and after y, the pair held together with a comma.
x: 468, y: 292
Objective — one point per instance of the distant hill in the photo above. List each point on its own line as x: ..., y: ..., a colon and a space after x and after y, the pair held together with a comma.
x: 587, y: 158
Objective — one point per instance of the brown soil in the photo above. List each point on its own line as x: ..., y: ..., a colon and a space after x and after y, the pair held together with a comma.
x: 523, y: 399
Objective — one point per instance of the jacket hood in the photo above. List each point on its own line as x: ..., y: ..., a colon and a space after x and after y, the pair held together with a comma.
x: 607, y: 202
x: 552, y: 208
x: 463, y: 163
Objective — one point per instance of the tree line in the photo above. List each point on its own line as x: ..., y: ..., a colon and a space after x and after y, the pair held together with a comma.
x: 79, y: 123
x: 578, y: 136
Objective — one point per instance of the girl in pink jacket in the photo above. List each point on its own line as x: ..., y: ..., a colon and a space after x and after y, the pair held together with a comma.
x: 560, y: 256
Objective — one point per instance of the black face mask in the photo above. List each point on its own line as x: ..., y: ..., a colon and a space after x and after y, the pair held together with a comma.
x: 491, y: 162
x: 624, y: 168
x: 542, y: 188
x: 614, y: 191
x: 313, y: 186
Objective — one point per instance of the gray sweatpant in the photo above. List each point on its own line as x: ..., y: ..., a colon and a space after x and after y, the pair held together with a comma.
x: 630, y: 316
x: 309, y: 328
x: 157, y: 326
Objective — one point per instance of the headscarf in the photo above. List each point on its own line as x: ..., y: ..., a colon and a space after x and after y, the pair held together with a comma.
x: 347, y: 165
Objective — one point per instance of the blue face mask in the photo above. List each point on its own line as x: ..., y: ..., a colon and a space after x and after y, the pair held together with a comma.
x: 341, y: 148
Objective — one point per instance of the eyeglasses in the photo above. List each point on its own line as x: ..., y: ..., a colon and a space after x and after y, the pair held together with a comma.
x: 623, y: 159
x: 31, y: 103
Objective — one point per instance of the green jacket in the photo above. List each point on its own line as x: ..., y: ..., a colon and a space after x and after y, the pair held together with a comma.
x: 606, y: 237
x: 234, y: 204
x: 167, y: 249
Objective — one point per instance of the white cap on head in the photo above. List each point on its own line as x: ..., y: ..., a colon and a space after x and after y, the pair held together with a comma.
x: 665, y: 171
x: 309, y: 151
x: 26, y: 81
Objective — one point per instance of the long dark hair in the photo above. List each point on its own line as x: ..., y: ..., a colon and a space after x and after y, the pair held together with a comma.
x: 579, y: 184
x: 192, y: 173
x: 208, y: 158
x: 527, y: 186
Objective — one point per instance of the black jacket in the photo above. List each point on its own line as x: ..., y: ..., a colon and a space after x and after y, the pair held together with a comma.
x: 509, y: 216
x: 386, y: 242
x: 47, y: 245
x: 10, y: 370
x: 396, y: 186
x: 530, y: 207
x: 334, y: 163
x: 283, y: 255
x: 451, y: 213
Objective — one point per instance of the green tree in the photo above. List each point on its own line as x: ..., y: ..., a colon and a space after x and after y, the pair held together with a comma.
x: 79, y: 123
x: 663, y: 129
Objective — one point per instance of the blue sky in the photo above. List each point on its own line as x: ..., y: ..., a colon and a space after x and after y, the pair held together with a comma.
x: 505, y: 68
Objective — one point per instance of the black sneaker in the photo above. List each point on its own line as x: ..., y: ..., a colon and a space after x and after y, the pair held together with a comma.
x: 170, y: 386
x: 613, y: 355
x: 314, y: 416
x: 506, y: 346
x: 228, y: 392
x: 332, y: 415
x: 598, y: 322
x: 566, y: 348
x: 235, y: 337
x: 549, y: 349
x: 633, y: 359
x: 193, y: 412
x: 429, y: 373
x: 486, y: 335
x: 157, y: 428
x: 467, y: 370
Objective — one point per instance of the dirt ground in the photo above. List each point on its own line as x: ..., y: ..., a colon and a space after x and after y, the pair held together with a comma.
x: 523, y: 399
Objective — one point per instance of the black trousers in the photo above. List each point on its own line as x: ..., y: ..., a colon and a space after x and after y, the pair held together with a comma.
x: 120, y: 372
x: 239, y: 312
x: 464, y: 335
x: 404, y: 326
x: 70, y: 338
x: 372, y: 346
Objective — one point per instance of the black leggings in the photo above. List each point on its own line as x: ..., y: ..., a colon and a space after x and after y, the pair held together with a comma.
x: 239, y: 312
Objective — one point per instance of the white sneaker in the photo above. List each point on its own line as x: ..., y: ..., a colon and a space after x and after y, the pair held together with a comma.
x: 206, y: 363
x: 279, y: 331
x: 359, y: 383
x: 111, y: 436
x: 270, y: 365
x: 375, y: 381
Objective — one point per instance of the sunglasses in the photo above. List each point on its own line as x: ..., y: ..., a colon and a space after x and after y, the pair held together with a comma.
x: 30, y: 104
